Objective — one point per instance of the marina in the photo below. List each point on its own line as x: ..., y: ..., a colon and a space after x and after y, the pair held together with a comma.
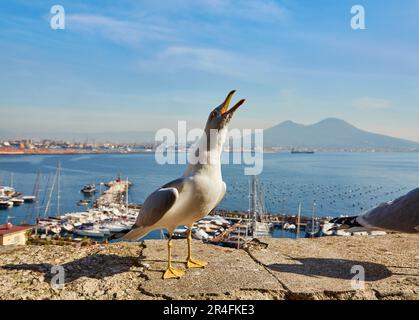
x: 252, y: 207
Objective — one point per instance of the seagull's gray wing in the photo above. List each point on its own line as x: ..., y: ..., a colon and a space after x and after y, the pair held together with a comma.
x: 400, y: 215
x: 159, y: 202
x: 154, y: 208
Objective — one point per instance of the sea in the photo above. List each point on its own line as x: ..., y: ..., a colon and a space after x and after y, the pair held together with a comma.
x: 331, y: 184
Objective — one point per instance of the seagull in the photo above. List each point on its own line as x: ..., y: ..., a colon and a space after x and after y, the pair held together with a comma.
x: 192, y: 196
x: 400, y: 215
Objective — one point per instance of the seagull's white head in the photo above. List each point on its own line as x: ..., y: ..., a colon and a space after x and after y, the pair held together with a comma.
x: 209, y: 148
x: 216, y: 127
x: 220, y: 117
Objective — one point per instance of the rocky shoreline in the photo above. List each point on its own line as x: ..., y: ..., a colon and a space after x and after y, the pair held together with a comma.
x: 285, y: 269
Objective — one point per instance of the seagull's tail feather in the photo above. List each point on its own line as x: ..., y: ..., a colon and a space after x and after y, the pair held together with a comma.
x: 119, y: 235
x: 131, y: 234
x: 136, y: 233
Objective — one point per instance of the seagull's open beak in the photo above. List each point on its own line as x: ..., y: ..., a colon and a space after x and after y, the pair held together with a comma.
x: 224, y: 109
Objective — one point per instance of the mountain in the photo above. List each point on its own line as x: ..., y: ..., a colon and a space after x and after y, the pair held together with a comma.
x: 331, y: 133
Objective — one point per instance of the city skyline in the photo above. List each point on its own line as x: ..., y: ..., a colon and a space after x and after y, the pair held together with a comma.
x: 143, y: 66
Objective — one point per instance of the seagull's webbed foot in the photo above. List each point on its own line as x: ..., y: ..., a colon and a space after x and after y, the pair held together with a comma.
x: 190, y: 263
x: 173, y: 273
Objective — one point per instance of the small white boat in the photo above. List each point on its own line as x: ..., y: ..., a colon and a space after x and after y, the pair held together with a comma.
x: 328, y: 228
x: 199, y: 234
x: 28, y: 198
x: 115, y: 227
x: 55, y: 229
x: 104, y: 230
x: 6, y: 204
x: 17, y: 201
x: 94, y: 233
x: 180, y: 233
x: 261, y: 228
x: 67, y: 227
x: 288, y: 226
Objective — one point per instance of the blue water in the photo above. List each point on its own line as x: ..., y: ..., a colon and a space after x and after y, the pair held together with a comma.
x: 341, y: 183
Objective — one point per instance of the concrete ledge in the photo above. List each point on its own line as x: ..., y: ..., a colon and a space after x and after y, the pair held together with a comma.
x: 286, y: 269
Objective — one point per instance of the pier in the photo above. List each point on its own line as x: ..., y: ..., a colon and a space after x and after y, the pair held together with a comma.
x: 114, y: 194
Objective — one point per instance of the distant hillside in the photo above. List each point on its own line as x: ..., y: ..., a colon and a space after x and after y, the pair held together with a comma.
x: 331, y: 133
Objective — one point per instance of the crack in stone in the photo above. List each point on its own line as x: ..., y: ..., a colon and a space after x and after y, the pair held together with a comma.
x: 284, y: 287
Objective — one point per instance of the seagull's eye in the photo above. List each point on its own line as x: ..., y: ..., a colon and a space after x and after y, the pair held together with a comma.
x: 214, y: 114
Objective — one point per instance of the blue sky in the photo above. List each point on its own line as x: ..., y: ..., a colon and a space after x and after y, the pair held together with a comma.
x: 143, y: 65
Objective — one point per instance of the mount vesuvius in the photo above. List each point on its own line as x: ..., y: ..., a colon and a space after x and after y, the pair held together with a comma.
x: 331, y: 133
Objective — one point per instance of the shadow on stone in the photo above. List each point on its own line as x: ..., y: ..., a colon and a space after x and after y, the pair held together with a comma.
x: 97, y: 266
x: 333, y: 268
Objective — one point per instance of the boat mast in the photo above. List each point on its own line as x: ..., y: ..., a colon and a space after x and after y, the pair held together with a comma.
x: 126, y: 194
x: 58, y: 187
x: 35, y: 208
x: 312, y: 219
x: 30, y: 211
x: 11, y: 179
x: 298, y: 220
x: 50, y: 194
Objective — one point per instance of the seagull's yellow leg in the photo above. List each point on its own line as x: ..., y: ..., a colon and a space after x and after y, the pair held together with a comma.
x: 190, y: 263
x: 170, y: 271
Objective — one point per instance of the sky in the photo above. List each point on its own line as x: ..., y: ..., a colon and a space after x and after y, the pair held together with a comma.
x: 143, y: 65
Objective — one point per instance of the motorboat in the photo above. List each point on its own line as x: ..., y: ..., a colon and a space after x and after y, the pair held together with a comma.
x: 313, y: 230
x: 48, y: 226
x: 289, y: 226
x: 29, y: 198
x: 68, y: 227
x: 5, y: 204
x: 84, y: 202
x: 199, y: 234
x: 89, y: 189
x: 115, y: 227
x: 180, y: 233
x: 17, y: 201
x: 90, y: 231
x: 328, y: 229
x: 261, y: 228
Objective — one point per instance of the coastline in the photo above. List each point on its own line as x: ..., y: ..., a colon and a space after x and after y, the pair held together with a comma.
x: 28, y: 152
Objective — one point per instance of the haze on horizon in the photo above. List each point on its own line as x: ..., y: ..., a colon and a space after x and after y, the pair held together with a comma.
x: 143, y: 66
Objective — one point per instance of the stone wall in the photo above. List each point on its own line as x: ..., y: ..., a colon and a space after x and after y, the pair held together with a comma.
x: 285, y: 269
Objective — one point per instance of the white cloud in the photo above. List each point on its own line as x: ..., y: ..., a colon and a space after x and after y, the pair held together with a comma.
x: 210, y: 60
x: 248, y: 9
x: 372, y: 103
x: 119, y: 31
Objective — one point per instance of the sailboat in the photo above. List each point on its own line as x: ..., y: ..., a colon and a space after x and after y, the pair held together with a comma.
x: 313, y: 226
x: 257, y: 210
x: 51, y: 224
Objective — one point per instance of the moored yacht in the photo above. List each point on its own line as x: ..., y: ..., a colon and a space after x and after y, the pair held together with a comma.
x: 89, y: 189
x: 17, y: 201
x: 5, y: 203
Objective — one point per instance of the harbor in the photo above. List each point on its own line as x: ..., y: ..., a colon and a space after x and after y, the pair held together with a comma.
x: 108, y: 212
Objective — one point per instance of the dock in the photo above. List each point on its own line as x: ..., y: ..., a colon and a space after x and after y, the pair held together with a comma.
x: 115, y: 194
